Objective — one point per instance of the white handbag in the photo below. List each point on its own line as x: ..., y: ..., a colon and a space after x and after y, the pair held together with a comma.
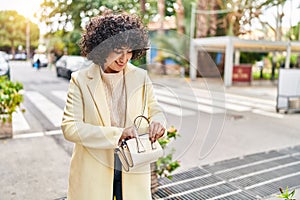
x: 138, y: 151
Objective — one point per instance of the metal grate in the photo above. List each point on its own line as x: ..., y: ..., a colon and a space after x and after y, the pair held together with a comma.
x: 207, y: 193
x: 255, y: 168
x: 238, y: 196
x: 252, y: 180
x: 214, y: 181
x: 191, y: 173
x: 273, y: 188
x: 227, y: 164
x: 190, y: 185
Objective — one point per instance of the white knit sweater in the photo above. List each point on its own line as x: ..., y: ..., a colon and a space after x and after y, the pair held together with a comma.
x: 116, y: 97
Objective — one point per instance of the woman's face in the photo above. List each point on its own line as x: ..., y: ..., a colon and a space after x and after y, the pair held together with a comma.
x: 117, y: 60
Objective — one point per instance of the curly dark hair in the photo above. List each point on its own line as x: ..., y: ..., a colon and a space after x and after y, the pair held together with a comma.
x: 108, y: 32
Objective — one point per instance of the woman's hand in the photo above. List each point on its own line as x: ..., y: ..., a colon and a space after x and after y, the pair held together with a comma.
x: 128, y: 133
x: 156, y: 130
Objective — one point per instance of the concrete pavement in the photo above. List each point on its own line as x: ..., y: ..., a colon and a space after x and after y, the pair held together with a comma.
x: 37, y: 167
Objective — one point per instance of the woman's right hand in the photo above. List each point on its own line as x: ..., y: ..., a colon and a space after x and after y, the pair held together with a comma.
x: 128, y: 133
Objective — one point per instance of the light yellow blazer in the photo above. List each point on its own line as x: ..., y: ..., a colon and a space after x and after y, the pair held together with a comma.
x: 86, y: 122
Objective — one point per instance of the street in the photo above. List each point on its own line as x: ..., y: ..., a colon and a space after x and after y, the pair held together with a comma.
x: 214, y: 125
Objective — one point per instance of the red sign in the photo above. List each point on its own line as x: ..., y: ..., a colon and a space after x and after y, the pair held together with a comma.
x: 242, y: 73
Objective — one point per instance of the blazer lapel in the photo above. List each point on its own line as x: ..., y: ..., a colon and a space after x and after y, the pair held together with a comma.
x: 96, y: 89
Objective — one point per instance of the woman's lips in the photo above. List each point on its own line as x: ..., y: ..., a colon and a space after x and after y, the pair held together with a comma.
x: 121, y: 64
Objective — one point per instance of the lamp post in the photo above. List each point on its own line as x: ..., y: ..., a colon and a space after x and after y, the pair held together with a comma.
x: 28, y: 39
x: 298, y: 25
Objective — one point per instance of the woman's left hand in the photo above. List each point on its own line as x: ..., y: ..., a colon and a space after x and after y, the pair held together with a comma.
x: 156, y: 130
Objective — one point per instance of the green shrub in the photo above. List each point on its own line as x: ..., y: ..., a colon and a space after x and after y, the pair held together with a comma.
x: 166, y: 165
x: 10, y: 98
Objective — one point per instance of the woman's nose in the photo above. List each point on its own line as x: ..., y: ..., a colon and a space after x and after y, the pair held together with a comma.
x: 123, y: 57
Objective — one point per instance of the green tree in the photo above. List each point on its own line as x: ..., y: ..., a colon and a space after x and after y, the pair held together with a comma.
x: 13, y: 30
x: 72, y: 14
x: 55, y: 43
x: 173, y: 46
x: 72, y: 42
x: 233, y: 16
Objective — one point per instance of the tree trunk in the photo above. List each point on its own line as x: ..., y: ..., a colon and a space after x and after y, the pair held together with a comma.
x: 161, y: 12
x: 201, y: 22
x: 143, y: 6
x: 13, y: 52
x: 180, y: 17
x: 213, y: 18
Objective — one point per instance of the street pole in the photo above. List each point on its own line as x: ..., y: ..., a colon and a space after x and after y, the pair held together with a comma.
x: 28, y: 39
x: 193, y: 51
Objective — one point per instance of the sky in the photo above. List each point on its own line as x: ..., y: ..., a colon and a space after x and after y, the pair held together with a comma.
x: 29, y: 7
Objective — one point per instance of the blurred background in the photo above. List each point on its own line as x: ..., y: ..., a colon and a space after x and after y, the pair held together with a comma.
x: 226, y: 74
x: 53, y: 28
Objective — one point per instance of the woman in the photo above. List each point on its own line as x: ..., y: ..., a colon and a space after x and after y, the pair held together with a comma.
x: 103, y: 100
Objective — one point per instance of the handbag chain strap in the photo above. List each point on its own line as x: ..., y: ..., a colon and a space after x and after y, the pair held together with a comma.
x: 144, y: 107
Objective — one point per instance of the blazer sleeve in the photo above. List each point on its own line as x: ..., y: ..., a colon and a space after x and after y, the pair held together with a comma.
x: 76, y: 130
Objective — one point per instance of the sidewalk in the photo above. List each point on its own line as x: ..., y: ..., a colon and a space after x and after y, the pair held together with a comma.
x: 38, y: 167
x: 33, y: 168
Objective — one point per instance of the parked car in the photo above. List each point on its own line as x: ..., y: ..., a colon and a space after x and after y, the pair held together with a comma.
x: 5, y: 55
x: 4, y: 67
x: 68, y: 64
x: 43, y: 59
x: 20, y: 56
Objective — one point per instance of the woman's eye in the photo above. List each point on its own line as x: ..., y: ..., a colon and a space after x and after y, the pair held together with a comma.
x: 118, y: 52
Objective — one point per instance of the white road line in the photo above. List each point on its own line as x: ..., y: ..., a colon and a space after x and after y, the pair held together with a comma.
x: 268, y: 114
x: 29, y: 135
x: 175, y: 110
x: 49, y: 109
x: 54, y: 132
x: 186, y: 102
x: 19, y: 122
x: 60, y: 94
x: 37, y: 134
x: 250, y: 104
x: 235, y: 96
x: 229, y: 101
x: 206, y: 100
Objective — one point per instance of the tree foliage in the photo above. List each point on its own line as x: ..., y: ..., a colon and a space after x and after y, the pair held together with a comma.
x: 237, y: 17
x: 73, y: 14
x: 13, y: 30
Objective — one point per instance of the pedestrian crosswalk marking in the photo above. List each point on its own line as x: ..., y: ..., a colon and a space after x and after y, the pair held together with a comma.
x: 268, y: 114
x: 189, y: 105
x: 175, y: 110
x: 174, y: 101
x: 207, y: 101
x: 60, y: 94
x: 219, y: 100
x: 49, y: 109
x: 19, y: 122
x: 184, y: 102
